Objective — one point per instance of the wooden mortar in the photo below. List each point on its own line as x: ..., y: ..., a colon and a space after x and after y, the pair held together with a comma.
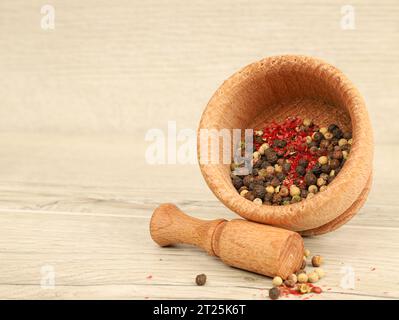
x: 246, y: 245
x: 281, y: 86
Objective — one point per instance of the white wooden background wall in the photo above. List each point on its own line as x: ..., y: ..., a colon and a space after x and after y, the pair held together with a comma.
x: 75, y: 103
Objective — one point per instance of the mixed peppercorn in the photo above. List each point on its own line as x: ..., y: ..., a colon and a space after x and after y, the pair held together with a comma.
x: 301, y: 282
x: 292, y: 161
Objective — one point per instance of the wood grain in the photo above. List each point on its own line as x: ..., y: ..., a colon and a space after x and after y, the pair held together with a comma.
x: 239, y: 243
x: 285, y: 86
x: 75, y: 191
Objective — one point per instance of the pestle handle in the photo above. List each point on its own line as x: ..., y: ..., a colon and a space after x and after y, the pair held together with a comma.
x: 169, y: 225
x: 242, y: 244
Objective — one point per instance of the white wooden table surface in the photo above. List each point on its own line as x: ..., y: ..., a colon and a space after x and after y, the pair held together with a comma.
x: 76, y: 193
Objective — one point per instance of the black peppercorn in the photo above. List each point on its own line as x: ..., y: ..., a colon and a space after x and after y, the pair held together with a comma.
x: 259, y: 191
x: 332, y: 127
x: 200, y: 279
x: 325, y: 168
x: 286, y: 167
x: 281, y: 176
x: 316, y: 169
x: 276, y: 198
x: 337, y: 133
x: 334, y: 142
x: 275, y: 182
x: 249, y: 196
x: 300, y: 170
x: 337, y: 154
x: 268, y: 197
x: 313, y: 144
x: 334, y: 163
x: 264, y: 164
x: 271, y: 156
x: 324, y: 143
x: 237, y: 182
x: 258, y: 139
x: 279, y: 143
x: 317, y: 136
x: 304, y: 193
x: 257, y: 164
x: 247, y: 180
x: 314, y: 150
x: 274, y: 293
x: 310, y: 179
x: 303, y: 163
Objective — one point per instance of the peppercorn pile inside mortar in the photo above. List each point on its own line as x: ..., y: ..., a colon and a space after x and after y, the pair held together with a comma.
x: 293, y: 160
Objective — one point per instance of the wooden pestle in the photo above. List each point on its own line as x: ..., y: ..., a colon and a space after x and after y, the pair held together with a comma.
x: 239, y: 243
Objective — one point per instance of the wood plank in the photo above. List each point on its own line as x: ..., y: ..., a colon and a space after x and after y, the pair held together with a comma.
x: 115, y: 254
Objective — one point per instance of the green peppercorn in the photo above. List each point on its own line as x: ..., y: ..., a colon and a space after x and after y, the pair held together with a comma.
x: 296, y: 199
x: 313, y: 188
